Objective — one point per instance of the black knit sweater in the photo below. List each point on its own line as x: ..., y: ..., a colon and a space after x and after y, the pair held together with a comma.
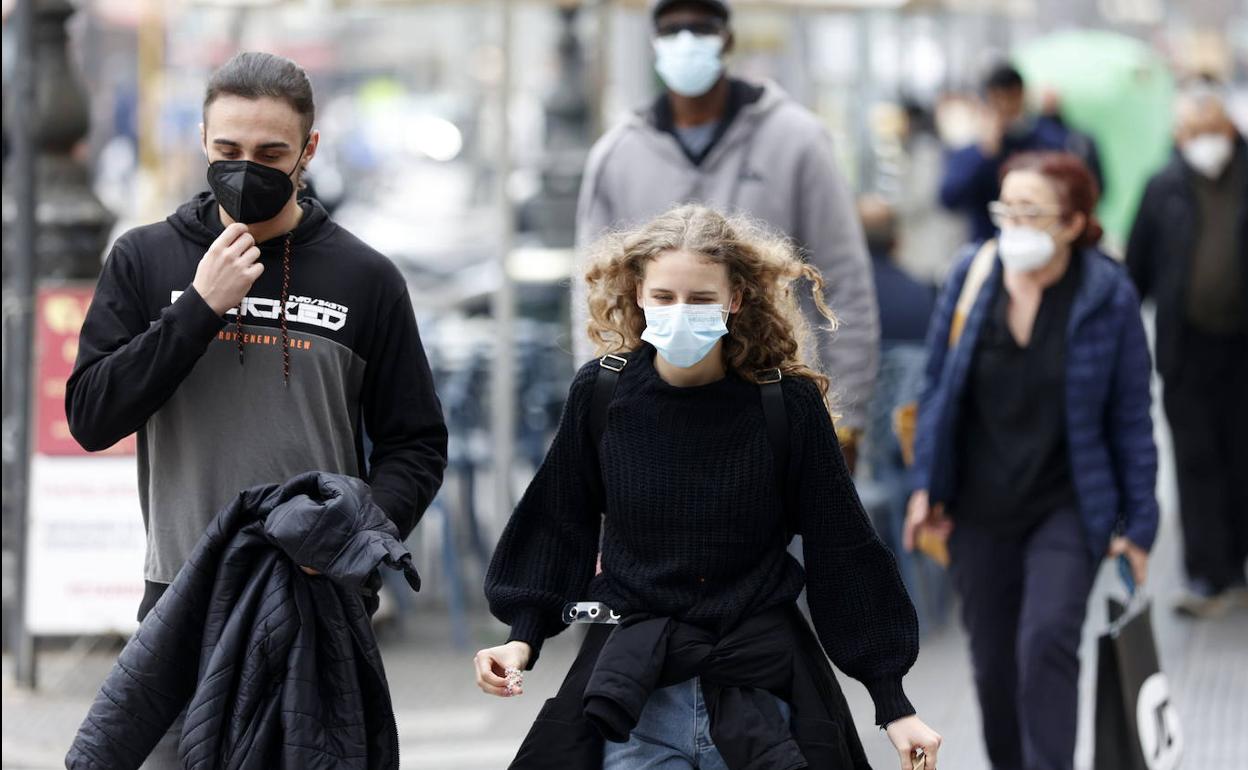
x: 694, y: 525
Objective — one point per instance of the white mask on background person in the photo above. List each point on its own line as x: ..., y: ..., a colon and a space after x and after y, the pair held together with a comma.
x: 684, y: 334
x: 1023, y: 249
x: 689, y: 64
x: 1208, y: 153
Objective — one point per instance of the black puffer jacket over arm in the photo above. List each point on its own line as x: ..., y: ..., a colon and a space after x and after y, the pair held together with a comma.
x: 275, y: 668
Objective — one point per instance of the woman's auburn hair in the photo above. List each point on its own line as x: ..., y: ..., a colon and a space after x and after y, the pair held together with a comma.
x: 769, y: 331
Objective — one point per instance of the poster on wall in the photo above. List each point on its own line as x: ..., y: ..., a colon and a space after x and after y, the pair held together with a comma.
x: 86, y: 542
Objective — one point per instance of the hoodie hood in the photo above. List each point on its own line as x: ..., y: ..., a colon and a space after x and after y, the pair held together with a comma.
x: 750, y: 100
x: 748, y: 105
x: 199, y: 220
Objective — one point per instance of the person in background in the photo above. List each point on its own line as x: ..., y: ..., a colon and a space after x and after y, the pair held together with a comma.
x: 972, y: 177
x: 248, y: 338
x: 741, y: 148
x: 929, y: 235
x: 905, y: 305
x: 1188, y: 250
x: 1078, y: 142
x: 1034, y: 452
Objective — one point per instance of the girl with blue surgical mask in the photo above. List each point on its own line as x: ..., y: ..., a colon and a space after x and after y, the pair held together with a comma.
x: 691, y: 499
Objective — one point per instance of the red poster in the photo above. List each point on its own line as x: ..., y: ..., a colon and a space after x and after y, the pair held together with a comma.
x: 59, y: 313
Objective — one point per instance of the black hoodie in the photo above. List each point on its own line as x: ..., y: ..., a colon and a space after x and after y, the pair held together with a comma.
x: 154, y: 358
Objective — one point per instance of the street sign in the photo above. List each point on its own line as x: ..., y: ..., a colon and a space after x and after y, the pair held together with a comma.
x: 85, y: 538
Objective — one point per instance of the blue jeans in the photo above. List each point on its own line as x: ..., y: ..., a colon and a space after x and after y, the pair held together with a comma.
x: 673, y: 733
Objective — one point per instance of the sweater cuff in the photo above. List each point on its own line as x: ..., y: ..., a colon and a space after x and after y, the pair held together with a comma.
x: 194, y: 318
x: 890, y: 700
x: 527, y: 627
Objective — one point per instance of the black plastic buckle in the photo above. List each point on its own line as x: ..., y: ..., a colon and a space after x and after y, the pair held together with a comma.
x: 768, y: 376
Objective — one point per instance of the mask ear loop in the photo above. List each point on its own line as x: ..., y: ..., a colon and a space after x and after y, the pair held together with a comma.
x: 302, y: 150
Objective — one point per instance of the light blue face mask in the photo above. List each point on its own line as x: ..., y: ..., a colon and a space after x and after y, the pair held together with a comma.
x: 689, y: 64
x: 684, y: 334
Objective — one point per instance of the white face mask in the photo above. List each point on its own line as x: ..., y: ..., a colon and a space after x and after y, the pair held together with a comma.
x: 689, y: 64
x: 1024, y: 249
x: 1208, y: 153
x: 684, y: 334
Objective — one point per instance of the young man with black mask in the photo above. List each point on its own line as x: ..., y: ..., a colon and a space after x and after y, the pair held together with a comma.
x: 249, y: 338
x: 744, y: 148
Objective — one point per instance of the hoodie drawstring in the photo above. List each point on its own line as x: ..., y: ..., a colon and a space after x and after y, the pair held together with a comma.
x: 281, y: 314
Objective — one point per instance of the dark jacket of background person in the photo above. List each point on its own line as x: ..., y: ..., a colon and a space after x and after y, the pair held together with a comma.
x: 1083, y: 146
x: 1109, y: 427
x: 905, y: 304
x: 562, y: 738
x: 275, y: 668
x: 973, y: 180
x: 1160, y: 248
x: 771, y: 160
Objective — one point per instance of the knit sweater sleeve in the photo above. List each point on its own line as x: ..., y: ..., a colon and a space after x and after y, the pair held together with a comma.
x: 548, y: 551
x: 858, y: 603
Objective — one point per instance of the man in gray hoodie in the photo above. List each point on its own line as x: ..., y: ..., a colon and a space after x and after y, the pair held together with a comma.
x: 741, y: 148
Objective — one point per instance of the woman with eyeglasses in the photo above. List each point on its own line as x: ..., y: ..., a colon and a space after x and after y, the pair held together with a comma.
x: 1034, y: 455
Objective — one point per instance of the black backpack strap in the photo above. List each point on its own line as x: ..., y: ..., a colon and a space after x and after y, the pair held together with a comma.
x: 777, y: 418
x: 599, y: 401
x: 604, y: 390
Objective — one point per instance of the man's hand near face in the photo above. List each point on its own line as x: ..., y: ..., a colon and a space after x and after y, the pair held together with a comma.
x: 228, y: 269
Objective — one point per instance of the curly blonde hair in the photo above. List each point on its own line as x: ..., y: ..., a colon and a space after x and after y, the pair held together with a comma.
x: 768, y: 332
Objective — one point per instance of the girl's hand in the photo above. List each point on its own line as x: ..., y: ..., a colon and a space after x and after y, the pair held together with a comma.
x: 500, y: 670
x: 909, y: 733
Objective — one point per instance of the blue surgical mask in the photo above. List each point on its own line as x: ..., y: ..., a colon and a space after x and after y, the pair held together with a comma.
x: 689, y: 64
x: 684, y: 334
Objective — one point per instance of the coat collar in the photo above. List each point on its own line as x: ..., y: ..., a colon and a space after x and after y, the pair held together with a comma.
x: 1098, y: 284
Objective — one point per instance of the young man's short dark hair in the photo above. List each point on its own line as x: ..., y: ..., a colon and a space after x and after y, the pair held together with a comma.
x: 1003, y: 77
x: 256, y: 75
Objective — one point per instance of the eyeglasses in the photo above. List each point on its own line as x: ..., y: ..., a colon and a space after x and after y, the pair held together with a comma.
x: 1003, y: 214
x: 700, y: 27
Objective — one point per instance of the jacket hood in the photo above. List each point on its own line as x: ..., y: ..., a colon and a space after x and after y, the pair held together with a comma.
x: 199, y: 220
x: 771, y: 98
